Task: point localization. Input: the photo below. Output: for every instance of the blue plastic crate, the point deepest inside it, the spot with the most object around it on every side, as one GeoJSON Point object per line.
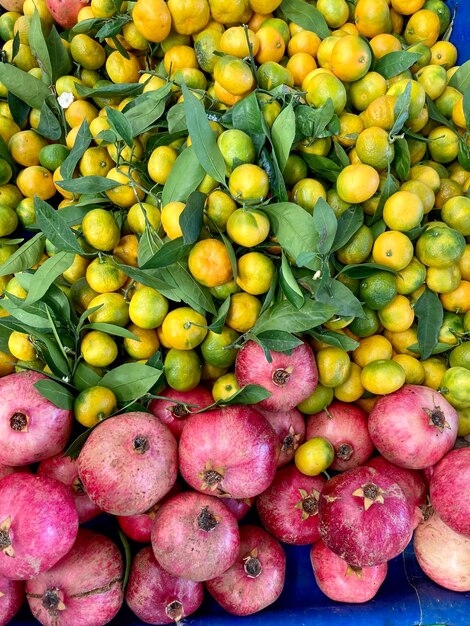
{"type": "Point", "coordinates": [407, 597]}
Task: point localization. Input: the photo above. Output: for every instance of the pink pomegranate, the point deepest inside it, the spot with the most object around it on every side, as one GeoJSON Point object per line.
{"type": "Point", "coordinates": [6, 470]}
{"type": "Point", "coordinates": [342, 582]}
{"type": "Point", "coordinates": [157, 597]}
{"type": "Point", "coordinates": [139, 527]}
{"type": "Point", "coordinates": [128, 463]}
{"type": "Point", "coordinates": [38, 524]}
{"type": "Point", "coordinates": [230, 452]}
{"type": "Point", "coordinates": [345, 427]}
{"type": "Point", "coordinates": [289, 378]}
{"type": "Point", "coordinates": [238, 507]}
{"type": "Point", "coordinates": [65, 469]}
{"type": "Point", "coordinates": [174, 413]}
{"type": "Point", "coordinates": [65, 12]}
{"type": "Point", "coordinates": [364, 517]}
{"type": "Point", "coordinates": [410, 481]}
{"type": "Point", "coordinates": [11, 598]}
{"type": "Point", "coordinates": [450, 490]}
{"type": "Point", "coordinates": [256, 579]}
{"type": "Point", "coordinates": [413, 427]}
{"type": "Point", "coordinates": [288, 509]}
{"type": "Point", "coordinates": [84, 588]}
{"type": "Point", "coordinates": [289, 426]}
{"type": "Point", "coordinates": [195, 536]}
{"type": "Point", "coordinates": [31, 427]}
{"type": "Point", "coordinates": [442, 554]}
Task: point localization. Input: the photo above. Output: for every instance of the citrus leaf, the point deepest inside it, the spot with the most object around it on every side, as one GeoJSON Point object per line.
{"type": "Point", "coordinates": [130, 381]}
{"type": "Point", "coordinates": [166, 287]}
{"type": "Point", "coordinates": [74, 448]}
{"type": "Point", "coordinates": [120, 124]}
{"type": "Point", "coordinates": [305, 15]}
{"type": "Point", "coordinates": [401, 110]}
{"type": "Point", "coordinates": [25, 257]}
{"type": "Point", "coordinates": [363, 270]}
{"type": "Point", "coordinates": [55, 393]}
{"type": "Point", "coordinates": [395, 63]}
{"type": "Point", "coordinates": [284, 316]}
{"type": "Point", "coordinates": [88, 184]}
{"type": "Point", "coordinates": [81, 143]}
{"type": "Point", "coordinates": [185, 175]}
{"type": "Point", "coordinates": [127, 557]}
{"type": "Point", "coordinates": [282, 134]}
{"type": "Point", "coordinates": [19, 109]}
{"type": "Point", "coordinates": [461, 79]}
{"type": "Point", "coordinates": [219, 320]}
{"type": "Point", "coordinates": [349, 223]}
{"type": "Point", "coordinates": [389, 188]}
{"type": "Point", "coordinates": [146, 109]}
{"type": "Point", "coordinates": [322, 166]}
{"type": "Point", "coordinates": [340, 298]}
{"type": "Point", "coordinates": [85, 377]}
{"type": "Point", "coordinates": [169, 253]}
{"type": "Point", "coordinates": [430, 313]}
{"type": "Point", "coordinates": [435, 114]}
{"type": "Point", "coordinates": [202, 137]}
{"type": "Point", "coordinates": [176, 119]}
{"type": "Point", "coordinates": [246, 115]}
{"type": "Point", "coordinates": [249, 394]}
{"type": "Point", "coordinates": [112, 329]}
{"type": "Point", "coordinates": [289, 285]}
{"type": "Point", "coordinates": [191, 218]}
{"type": "Point", "coordinates": [335, 339]}
{"type": "Point", "coordinates": [118, 89]}
{"type": "Point", "coordinates": [277, 184]}
{"type": "Point", "coordinates": [279, 340]}
{"type": "Point", "coordinates": [38, 46]}
{"type": "Point", "coordinates": [189, 290]}
{"type": "Point", "coordinates": [31, 318]}
{"type": "Point", "coordinates": [55, 228]}
{"type": "Point", "coordinates": [325, 224]}
{"type": "Point", "coordinates": [25, 86]}
{"type": "Point", "coordinates": [47, 273]}
{"type": "Point", "coordinates": [60, 59]}
{"type": "Point", "coordinates": [402, 159]}
{"type": "Point", "coordinates": [49, 126]}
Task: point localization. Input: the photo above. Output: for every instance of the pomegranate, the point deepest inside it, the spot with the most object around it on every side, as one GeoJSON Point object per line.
{"type": "Point", "coordinates": [442, 554]}
{"type": "Point", "coordinates": [139, 527]}
{"type": "Point", "coordinates": [157, 597]}
{"type": "Point", "coordinates": [410, 481]}
{"type": "Point", "coordinates": [413, 427]}
{"type": "Point", "coordinates": [128, 463]}
{"type": "Point", "coordinates": [65, 469]}
{"type": "Point", "coordinates": [450, 490]}
{"type": "Point", "coordinates": [345, 427]}
{"type": "Point", "coordinates": [82, 589]}
{"type": "Point", "coordinates": [288, 509]}
{"type": "Point", "coordinates": [174, 413]}
{"type": "Point", "coordinates": [256, 579]}
{"type": "Point", "coordinates": [289, 378]}
{"type": "Point", "coordinates": [6, 470]}
{"type": "Point", "coordinates": [230, 452]}
{"type": "Point", "coordinates": [364, 517]}
{"type": "Point", "coordinates": [38, 524]}
{"type": "Point", "coordinates": [65, 12]}
{"type": "Point", "coordinates": [11, 598]}
{"type": "Point", "coordinates": [289, 426]}
{"type": "Point", "coordinates": [195, 536]}
{"type": "Point", "coordinates": [31, 427]}
{"type": "Point", "coordinates": [238, 507]}
{"type": "Point", "coordinates": [343, 582]}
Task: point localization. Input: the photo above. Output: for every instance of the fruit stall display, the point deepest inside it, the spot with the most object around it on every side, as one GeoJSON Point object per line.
{"type": "Point", "coordinates": [235, 310]}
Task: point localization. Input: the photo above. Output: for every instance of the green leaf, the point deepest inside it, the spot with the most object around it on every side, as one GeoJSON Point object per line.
{"type": "Point", "coordinates": [55, 228]}
{"type": "Point", "coordinates": [32, 317]}
{"type": "Point", "coordinates": [130, 381]}
{"type": "Point", "coordinates": [19, 109]}
{"type": "Point", "coordinates": [189, 290]}
{"type": "Point", "coordinates": [402, 160]}
{"type": "Point", "coordinates": [466, 107]}
{"type": "Point", "coordinates": [435, 114]}
{"type": "Point", "coordinates": [322, 166]}
{"type": "Point", "coordinates": [112, 329]}
{"type": "Point", "coordinates": [49, 126]}
{"type": "Point", "coordinates": [146, 109]}
{"type": "Point", "coordinates": [401, 110]}
{"type": "Point", "coordinates": [335, 339]}
{"type": "Point", "coordinates": [166, 287]}
{"type": "Point", "coordinates": [5, 153]}
{"type": "Point", "coordinates": [341, 298]}
{"type": "Point", "coordinates": [25, 86]}
{"type": "Point", "coordinates": [293, 227]}
{"type": "Point", "coordinates": [305, 15]}
{"type": "Point", "coordinates": [349, 223]}
{"type": "Point", "coordinates": [88, 184]}
{"type": "Point", "coordinates": [47, 273]}
{"type": "Point", "coordinates": [284, 316]}
{"type": "Point", "coordinates": [279, 340]}
{"type": "Point", "coordinates": [312, 122]}
{"type": "Point", "coordinates": [120, 124]}
{"type": "Point", "coordinates": [464, 154]}
{"type": "Point", "coordinates": [59, 395]}
{"type": "Point", "coordinates": [169, 253]}
{"type": "Point", "coordinates": [190, 219]}
{"type": "Point", "coordinates": [395, 63]}
{"type": "Point", "coordinates": [282, 134]}
{"type": "Point", "coordinates": [389, 188]}
{"type": "Point", "coordinates": [185, 175]}
{"type": "Point", "coordinates": [461, 79]}
{"type": "Point", "coordinates": [341, 153]}
{"type": "Point", "coordinates": [75, 447]}
{"type": "Point", "coordinates": [113, 26]}
{"type": "Point", "coordinates": [289, 285]}
{"type": "Point", "coordinates": [60, 59]}
{"type": "Point", "coordinates": [277, 184]}
{"type": "Point", "coordinates": [249, 394]}
{"type": "Point", "coordinates": [246, 115]}
{"type": "Point", "coordinates": [38, 46]}
{"type": "Point", "coordinates": [363, 270]}
{"type": "Point", "coordinates": [81, 143]}
{"type": "Point", "coordinates": [119, 89]}
{"type": "Point", "coordinates": [25, 257]}
{"type": "Point", "coordinates": [202, 137]}
{"type": "Point", "coordinates": [325, 224]}
{"type": "Point", "coordinates": [430, 313]}
{"type": "Point", "coordinates": [176, 118]}
{"type": "Point", "coordinates": [219, 320]}
{"type": "Point", "coordinates": [85, 377]}
{"type": "Point", "coordinates": [127, 557]}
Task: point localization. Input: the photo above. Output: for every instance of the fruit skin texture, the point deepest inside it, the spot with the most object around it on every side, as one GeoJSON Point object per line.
{"type": "Point", "coordinates": [242, 594]}
{"type": "Point", "coordinates": [288, 509]}
{"type": "Point", "coordinates": [345, 426]}
{"type": "Point", "coordinates": [128, 463]}
{"type": "Point", "coordinates": [450, 490]}
{"type": "Point", "coordinates": [195, 536]}
{"type": "Point", "coordinates": [211, 462]}
{"type": "Point", "coordinates": [46, 428]}
{"type": "Point", "coordinates": [443, 554]}
{"type": "Point", "coordinates": [410, 481]}
{"type": "Point", "coordinates": [290, 429]}
{"type": "Point", "coordinates": [289, 378]}
{"type": "Point", "coordinates": [11, 599]}
{"type": "Point", "coordinates": [65, 469]}
{"type": "Point", "coordinates": [339, 581]}
{"type": "Point", "coordinates": [32, 508]}
{"type": "Point", "coordinates": [152, 19]}
{"type": "Point", "coordinates": [88, 581]}
{"type": "Point", "coordinates": [174, 414]}
{"type": "Point", "coordinates": [65, 12]}
{"type": "Point", "coordinates": [364, 536]}
{"type": "Point", "coordinates": [403, 427]}
{"type": "Point", "coordinates": [151, 591]}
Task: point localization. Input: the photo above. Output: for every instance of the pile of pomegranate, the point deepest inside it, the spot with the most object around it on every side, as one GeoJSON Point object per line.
{"type": "Point", "coordinates": [179, 481]}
